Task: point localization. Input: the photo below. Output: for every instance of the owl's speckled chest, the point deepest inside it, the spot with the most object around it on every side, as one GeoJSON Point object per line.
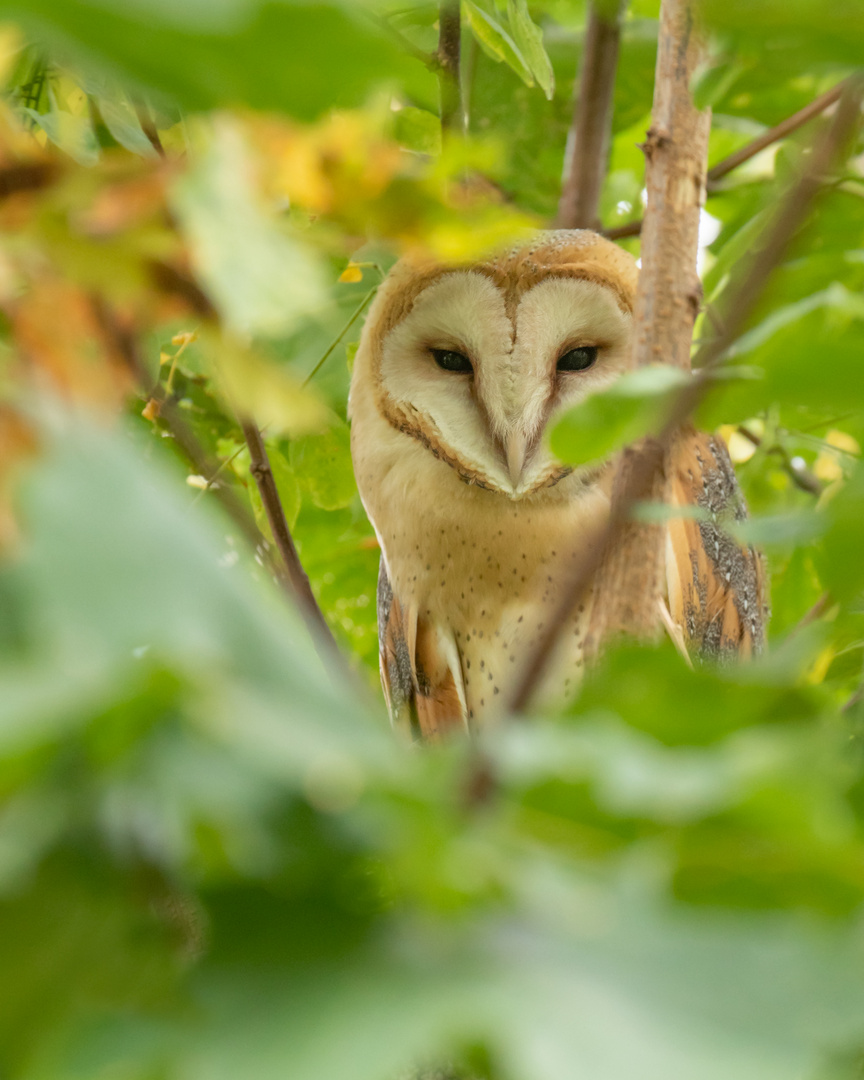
{"type": "Point", "coordinates": [486, 571]}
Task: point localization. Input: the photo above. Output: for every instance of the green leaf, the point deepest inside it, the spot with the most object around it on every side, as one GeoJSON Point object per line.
{"type": "Point", "coordinates": [72, 134]}
{"type": "Point", "coordinates": [529, 39]}
{"type": "Point", "coordinates": [418, 130]}
{"type": "Point", "coordinates": [494, 39]}
{"type": "Point", "coordinates": [123, 123]}
{"type": "Point", "coordinates": [286, 483]}
{"type": "Point", "coordinates": [783, 347]}
{"type": "Point", "coordinates": [78, 939]}
{"type": "Point", "coordinates": [324, 463]}
{"type": "Point", "coordinates": [836, 297]}
{"type": "Point", "coordinates": [714, 82]}
{"type": "Point", "coordinates": [840, 562]}
{"type": "Point", "coordinates": [632, 406]}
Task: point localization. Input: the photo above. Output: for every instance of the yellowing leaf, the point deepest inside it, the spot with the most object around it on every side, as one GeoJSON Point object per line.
{"type": "Point", "coordinates": [151, 410]}
{"type": "Point", "coordinates": [829, 465]}
{"type": "Point", "coordinates": [254, 386]}
{"type": "Point", "coordinates": [351, 274]}
{"type": "Point", "coordinates": [843, 441]}
{"type": "Point", "coordinates": [740, 448]}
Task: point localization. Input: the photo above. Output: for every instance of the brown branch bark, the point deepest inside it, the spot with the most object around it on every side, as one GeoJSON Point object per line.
{"type": "Point", "coordinates": [632, 228]}
{"type": "Point", "coordinates": [296, 575]}
{"type": "Point", "coordinates": [588, 141]}
{"type": "Point", "coordinates": [768, 138]}
{"type": "Point", "coordinates": [449, 45]}
{"type": "Point", "coordinates": [737, 309]}
{"type": "Point", "coordinates": [629, 580]}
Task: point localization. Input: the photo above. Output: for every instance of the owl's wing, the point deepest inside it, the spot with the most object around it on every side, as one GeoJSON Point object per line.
{"type": "Point", "coordinates": [716, 586]}
{"type": "Point", "coordinates": [421, 671]}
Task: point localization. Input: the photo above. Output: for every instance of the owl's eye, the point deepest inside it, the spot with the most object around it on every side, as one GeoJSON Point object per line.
{"type": "Point", "coordinates": [578, 359]}
{"type": "Point", "coordinates": [452, 361]}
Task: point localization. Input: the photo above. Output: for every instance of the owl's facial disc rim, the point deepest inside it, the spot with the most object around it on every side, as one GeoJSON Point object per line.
{"type": "Point", "coordinates": [512, 453]}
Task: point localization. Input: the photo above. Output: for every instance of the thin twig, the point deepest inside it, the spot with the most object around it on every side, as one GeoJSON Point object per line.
{"type": "Point", "coordinates": [220, 469]}
{"type": "Point", "coordinates": [123, 343]}
{"type": "Point", "coordinates": [449, 44]}
{"type": "Point", "coordinates": [632, 228]}
{"type": "Point", "coordinates": [767, 138]}
{"type": "Point", "coordinates": [204, 465]}
{"type": "Point", "coordinates": [737, 308]}
{"type": "Point", "coordinates": [354, 317]}
{"type": "Point", "coordinates": [775, 134]}
{"type": "Point", "coordinates": [259, 465]}
{"type": "Point", "coordinates": [800, 476]}
{"type": "Point", "coordinates": [588, 140]}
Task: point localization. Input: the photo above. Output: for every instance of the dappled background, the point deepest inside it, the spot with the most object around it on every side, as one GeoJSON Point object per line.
{"type": "Point", "coordinates": [215, 858]}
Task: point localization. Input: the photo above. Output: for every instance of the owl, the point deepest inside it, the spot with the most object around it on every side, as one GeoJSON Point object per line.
{"type": "Point", "coordinates": [459, 373]}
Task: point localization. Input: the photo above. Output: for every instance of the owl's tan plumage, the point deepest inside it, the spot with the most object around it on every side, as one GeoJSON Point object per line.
{"type": "Point", "coordinates": [477, 520]}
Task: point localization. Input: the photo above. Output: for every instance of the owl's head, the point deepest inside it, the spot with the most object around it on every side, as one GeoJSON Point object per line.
{"type": "Point", "coordinates": [474, 361]}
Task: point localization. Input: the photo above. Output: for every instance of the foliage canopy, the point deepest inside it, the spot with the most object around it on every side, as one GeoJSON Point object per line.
{"type": "Point", "coordinates": [215, 860]}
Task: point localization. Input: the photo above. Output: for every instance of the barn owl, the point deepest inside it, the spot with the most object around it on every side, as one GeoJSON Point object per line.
{"type": "Point", "coordinates": [459, 372]}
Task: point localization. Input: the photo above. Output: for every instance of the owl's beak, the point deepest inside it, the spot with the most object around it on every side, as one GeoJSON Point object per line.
{"type": "Point", "coordinates": [516, 449]}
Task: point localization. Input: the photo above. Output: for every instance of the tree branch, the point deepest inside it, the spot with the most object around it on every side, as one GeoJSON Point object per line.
{"type": "Point", "coordinates": [737, 308]}
{"type": "Point", "coordinates": [632, 228]}
{"type": "Point", "coordinates": [449, 44]}
{"type": "Point", "coordinates": [588, 140]}
{"type": "Point", "coordinates": [775, 134]}
{"type": "Point", "coordinates": [287, 571]}
{"type": "Point", "coordinates": [767, 138]}
{"type": "Point", "coordinates": [296, 575]}
{"type": "Point", "coordinates": [629, 580]}
{"type": "Point", "coordinates": [124, 345]}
